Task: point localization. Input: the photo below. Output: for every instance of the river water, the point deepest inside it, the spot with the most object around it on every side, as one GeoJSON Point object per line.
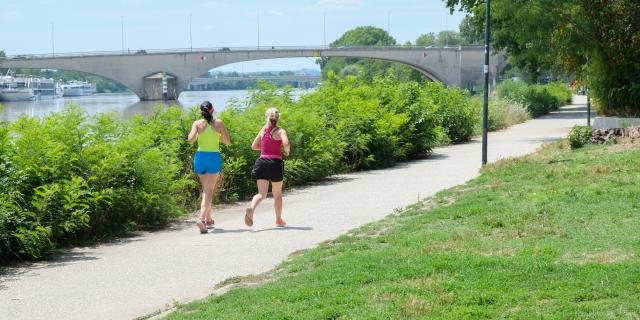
{"type": "Point", "coordinates": [125, 104]}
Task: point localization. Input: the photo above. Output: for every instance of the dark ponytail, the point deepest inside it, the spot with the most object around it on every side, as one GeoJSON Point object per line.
{"type": "Point", "coordinates": [206, 108]}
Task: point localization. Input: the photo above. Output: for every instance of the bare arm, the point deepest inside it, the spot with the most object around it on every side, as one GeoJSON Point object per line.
{"type": "Point", "coordinates": [194, 133]}
{"type": "Point", "coordinates": [285, 141]}
{"type": "Point", "coordinates": [256, 142]}
{"type": "Point", "coordinates": [224, 135]}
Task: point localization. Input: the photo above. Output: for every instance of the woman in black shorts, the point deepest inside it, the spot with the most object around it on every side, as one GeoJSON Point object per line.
{"type": "Point", "coordinates": [269, 167]}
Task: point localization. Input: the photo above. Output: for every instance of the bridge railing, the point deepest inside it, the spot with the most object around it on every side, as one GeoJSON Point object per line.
{"type": "Point", "coordinates": [215, 49]}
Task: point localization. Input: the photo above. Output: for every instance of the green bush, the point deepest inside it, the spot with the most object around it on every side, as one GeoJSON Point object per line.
{"type": "Point", "coordinates": [579, 136]}
{"type": "Point", "coordinates": [512, 90]}
{"type": "Point", "coordinates": [457, 114]}
{"type": "Point", "coordinates": [69, 178]}
{"type": "Point", "coordinates": [538, 99]}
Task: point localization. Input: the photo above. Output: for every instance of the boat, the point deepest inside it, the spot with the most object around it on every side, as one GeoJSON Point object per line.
{"type": "Point", "coordinates": [46, 88]}
{"type": "Point", "coordinates": [16, 88]}
{"type": "Point", "coordinates": [78, 88]}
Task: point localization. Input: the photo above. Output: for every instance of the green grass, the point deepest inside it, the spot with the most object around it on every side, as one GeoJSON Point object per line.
{"type": "Point", "coordinates": [555, 235]}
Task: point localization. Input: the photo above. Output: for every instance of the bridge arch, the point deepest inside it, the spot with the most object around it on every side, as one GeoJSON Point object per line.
{"type": "Point", "coordinates": [452, 66]}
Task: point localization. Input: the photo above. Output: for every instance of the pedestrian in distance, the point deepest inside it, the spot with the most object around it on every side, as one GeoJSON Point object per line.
{"type": "Point", "coordinates": [269, 168]}
{"type": "Point", "coordinates": [207, 161]}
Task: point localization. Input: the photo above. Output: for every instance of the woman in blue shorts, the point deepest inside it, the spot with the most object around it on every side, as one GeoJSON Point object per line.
{"type": "Point", "coordinates": [207, 162]}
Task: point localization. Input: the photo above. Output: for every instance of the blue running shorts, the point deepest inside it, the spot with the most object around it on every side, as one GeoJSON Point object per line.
{"type": "Point", "coordinates": [207, 162]}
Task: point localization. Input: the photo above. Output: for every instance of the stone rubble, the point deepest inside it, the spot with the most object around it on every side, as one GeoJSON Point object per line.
{"type": "Point", "coordinates": [604, 135]}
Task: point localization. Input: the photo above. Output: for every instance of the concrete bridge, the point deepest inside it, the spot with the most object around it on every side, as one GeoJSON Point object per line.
{"type": "Point", "coordinates": [146, 71]}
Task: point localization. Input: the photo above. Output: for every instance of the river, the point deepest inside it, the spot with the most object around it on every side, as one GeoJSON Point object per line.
{"type": "Point", "coordinates": [125, 104]}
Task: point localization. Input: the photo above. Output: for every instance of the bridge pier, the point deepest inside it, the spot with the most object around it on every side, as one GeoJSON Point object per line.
{"type": "Point", "coordinates": [160, 86]}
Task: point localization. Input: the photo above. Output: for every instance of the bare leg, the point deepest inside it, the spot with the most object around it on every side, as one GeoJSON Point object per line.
{"type": "Point", "coordinates": [212, 180]}
{"type": "Point", "coordinates": [276, 189]}
{"type": "Point", "coordinates": [263, 188]}
{"type": "Point", "coordinates": [208, 185]}
{"type": "Point", "coordinates": [204, 184]}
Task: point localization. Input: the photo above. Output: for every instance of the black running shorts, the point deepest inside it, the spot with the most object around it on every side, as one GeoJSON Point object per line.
{"type": "Point", "coordinates": [268, 169]}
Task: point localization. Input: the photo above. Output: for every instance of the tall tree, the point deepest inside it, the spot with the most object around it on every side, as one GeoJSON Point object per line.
{"type": "Point", "coordinates": [470, 34]}
{"type": "Point", "coordinates": [367, 68]}
{"type": "Point", "coordinates": [598, 41]}
{"type": "Point", "coordinates": [448, 38]}
{"type": "Point", "coordinates": [427, 39]}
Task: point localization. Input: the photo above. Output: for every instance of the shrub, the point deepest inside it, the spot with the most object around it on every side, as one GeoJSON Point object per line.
{"type": "Point", "coordinates": [538, 99]}
{"type": "Point", "coordinates": [579, 136]}
{"type": "Point", "coordinates": [457, 114]}
{"type": "Point", "coordinates": [69, 178]}
{"type": "Point", "coordinates": [512, 90]}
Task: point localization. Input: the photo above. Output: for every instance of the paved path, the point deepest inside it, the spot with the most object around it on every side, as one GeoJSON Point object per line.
{"type": "Point", "coordinates": [137, 276]}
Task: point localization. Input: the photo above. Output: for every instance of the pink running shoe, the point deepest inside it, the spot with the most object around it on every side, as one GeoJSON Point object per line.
{"type": "Point", "coordinates": [202, 225]}
{"type": "Point", "coordinates": [281, 223]}
{"type": "Point", "coordinates": [210, 224]}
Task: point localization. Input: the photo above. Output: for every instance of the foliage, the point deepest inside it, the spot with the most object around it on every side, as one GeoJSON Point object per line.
{"type": "Point", "coordinates": [448, 38]}
{"type": "Point", "coordinates": [504, 113]}
{"type": "Point", "coordinates": [469, 34]}
{"type": "Point", "coordinates": [596, 41]}
{"type": "Point", "coordinates": [548, 236]}
{"type": "Point", "coordinates": [579, 136]}
{"type": "Point", "coordinates": [68, 178]}
{"type": "Point", "coordinates": [366, 68]}
{"type": "Point", "coordinates": [427, 39]}
{"type": "Point", "coordinates": [538, 99]}
{"type": "Point", "coordinates": [457, 113]}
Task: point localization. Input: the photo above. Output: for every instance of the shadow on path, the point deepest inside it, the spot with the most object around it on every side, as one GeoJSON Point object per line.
{"type": "Point", "coordinates": [284, 229]}
{"type": "Point", "coordinates": [221, 230]}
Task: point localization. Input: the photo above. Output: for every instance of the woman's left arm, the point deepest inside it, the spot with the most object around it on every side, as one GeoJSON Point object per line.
{"type": "Point", "coordinates": [224, 135]}
{"type": "Point", "coordinates": [285, 142]}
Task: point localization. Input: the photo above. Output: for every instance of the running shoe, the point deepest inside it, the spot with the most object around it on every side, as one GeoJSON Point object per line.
{"type": "Point", "coordinates": [281, 223]}
{"type": "Point", "coordinates": [202, 226]}
{"type": "Point", "coordinates": [248, 217]}
{"type": "Point", "coordinates": [210, 224]}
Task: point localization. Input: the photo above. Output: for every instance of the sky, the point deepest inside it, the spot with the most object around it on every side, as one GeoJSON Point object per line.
{"type": "Point", "coordinates": [90, 25]}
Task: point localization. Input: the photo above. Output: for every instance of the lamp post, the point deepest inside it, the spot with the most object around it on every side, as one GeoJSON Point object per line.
{"type": "Point", "coordinates": [485, 106]}
{"type": "Point", "coordinates": [122, 32]}
{"type": "Point", "coordinates": [588, 108]}
{"type": "Point", "coordinates": [324, 28]}
{"type": "Point", "coordinates": [190, 36]}
{"type": "Point", "coordinates": [389, 28]}
{"type": "Point", "coordinates": [53, 47]}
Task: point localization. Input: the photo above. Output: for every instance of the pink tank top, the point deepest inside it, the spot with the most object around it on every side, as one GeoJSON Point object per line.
{"type": "Point", "coordinates": [269, 147]}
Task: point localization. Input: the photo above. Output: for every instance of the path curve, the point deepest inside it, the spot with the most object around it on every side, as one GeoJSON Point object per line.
{"type": "Point", "coordinates": [136, 276]}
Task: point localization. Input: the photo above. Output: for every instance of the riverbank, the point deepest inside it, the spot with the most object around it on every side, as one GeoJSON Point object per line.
{"type": "Point", "coordinates": [550, 235]}
{"type": "Point", "coordinates": [178, 264]}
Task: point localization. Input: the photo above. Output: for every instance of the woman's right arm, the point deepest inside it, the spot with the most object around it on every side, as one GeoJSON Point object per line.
{"type": "Point", "coordinates": [257, 141]}
{"type": "Point", "coordinates": [194, 132]}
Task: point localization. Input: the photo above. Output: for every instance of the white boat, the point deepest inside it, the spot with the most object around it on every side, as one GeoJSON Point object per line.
{"type": "Point", "coordinates": [78, 88]}
{"type": "Point", "coordinates": [16, 89]}
{"type": "Point", "coordinates": [46, 88]}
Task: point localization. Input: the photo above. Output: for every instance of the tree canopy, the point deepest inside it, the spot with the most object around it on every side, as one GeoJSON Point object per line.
{"type": "Point", "coordinates": [365, 68]}
{"type": "Point", "coordinates": [597, 41]}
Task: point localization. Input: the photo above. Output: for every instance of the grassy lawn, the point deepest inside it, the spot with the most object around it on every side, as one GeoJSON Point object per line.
{"type": "Point", "coordinates": [555, 235]}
